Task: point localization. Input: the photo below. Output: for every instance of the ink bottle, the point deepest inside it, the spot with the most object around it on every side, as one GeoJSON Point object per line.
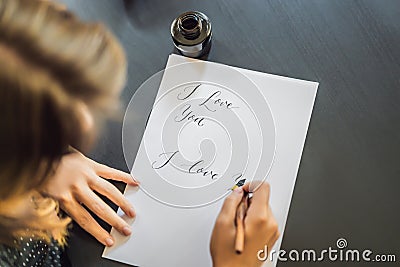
{"type": "Point", "coordinates": [191, 34]}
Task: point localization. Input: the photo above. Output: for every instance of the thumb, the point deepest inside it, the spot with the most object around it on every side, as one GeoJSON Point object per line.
{"type": "Point", "coordinates": [228, 210]}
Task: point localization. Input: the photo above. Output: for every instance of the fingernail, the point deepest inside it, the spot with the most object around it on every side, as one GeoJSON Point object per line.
{"type": "Point", "coordinates": [109, 242]}
{"type": "Point", "coordinates": [131, 212]}
{"type": "Point", "coordinates": [134, 180]}
{"type": "Point", "coordinates": [238, 190]}
{"type": "Point", "coordinates": [126, 230]}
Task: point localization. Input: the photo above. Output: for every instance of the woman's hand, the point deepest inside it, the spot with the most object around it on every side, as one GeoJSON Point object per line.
{"type": "Point", "coordinates": [74, 183]}
{"type": "Point", "coordinates": [260, 228]}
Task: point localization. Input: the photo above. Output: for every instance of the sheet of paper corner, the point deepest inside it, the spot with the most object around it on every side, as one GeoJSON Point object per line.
{"type": "Point", "coordinates": [291, 102]}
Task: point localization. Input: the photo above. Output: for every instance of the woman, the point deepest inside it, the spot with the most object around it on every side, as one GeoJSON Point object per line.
{"type": "Point", "coordinates": [57, 76]}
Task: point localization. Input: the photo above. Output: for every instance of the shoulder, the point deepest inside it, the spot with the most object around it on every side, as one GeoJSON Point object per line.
{"type": "Point", "coordinates": [8, 256]}
{"type": "Point", "coordinates": [30, 252]}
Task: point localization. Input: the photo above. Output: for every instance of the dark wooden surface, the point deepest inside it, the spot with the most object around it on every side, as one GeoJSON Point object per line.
{"type": "Point", "coordinates": [349, 179]}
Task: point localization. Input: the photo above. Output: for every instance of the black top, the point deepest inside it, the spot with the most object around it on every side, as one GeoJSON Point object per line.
{"type": "Point", "coordinates": [32, 252]}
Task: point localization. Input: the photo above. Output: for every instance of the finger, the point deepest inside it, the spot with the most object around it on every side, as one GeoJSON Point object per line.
{"type": "Point", "coordinates": [228, 210]}
{"type": "Point", "coordinates": [105, 212]}
{"type": "Point", "coordinates": [260, 199]}
{"type": "Point", "coordinates": [114, 174]}
{"type": "Point", "coordinates": [82, 217]}
{"type": "Point", "coordinates": [112, 193]}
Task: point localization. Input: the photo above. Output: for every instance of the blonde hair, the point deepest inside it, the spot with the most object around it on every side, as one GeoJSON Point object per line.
{"type": "Point", "coordinates": [50, 64]}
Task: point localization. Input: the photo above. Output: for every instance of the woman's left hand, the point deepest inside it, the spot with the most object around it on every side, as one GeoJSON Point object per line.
{"type": "Point", "coordinates": [74, 183]}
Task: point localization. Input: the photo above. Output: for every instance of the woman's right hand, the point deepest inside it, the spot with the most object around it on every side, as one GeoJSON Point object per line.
{"type": "Point", "coordinates": [261, 229]}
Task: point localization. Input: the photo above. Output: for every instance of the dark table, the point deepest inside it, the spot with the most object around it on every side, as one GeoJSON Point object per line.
{"type": "Point", "coordinates": [349, 178]}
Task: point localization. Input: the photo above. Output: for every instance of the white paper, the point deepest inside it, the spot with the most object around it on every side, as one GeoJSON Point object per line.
{"type": "Point", "coordinates": [175, 216]}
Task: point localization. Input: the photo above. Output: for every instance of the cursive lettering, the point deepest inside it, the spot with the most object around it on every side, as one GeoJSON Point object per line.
{"type": "Point", "coordinates": [188, 114]}
{"type": "Point", "coordinates": [182, 96]}
{"type": "Point", "coordinates": [165, 162]}
{"type": "Point", "coordinates": [195, 168]}
{"type": "Point", "coordinates": [219, 102]}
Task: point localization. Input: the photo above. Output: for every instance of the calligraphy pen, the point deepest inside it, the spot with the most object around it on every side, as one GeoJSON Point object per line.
{"type": "Point", "coordinates": [239, 220]}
